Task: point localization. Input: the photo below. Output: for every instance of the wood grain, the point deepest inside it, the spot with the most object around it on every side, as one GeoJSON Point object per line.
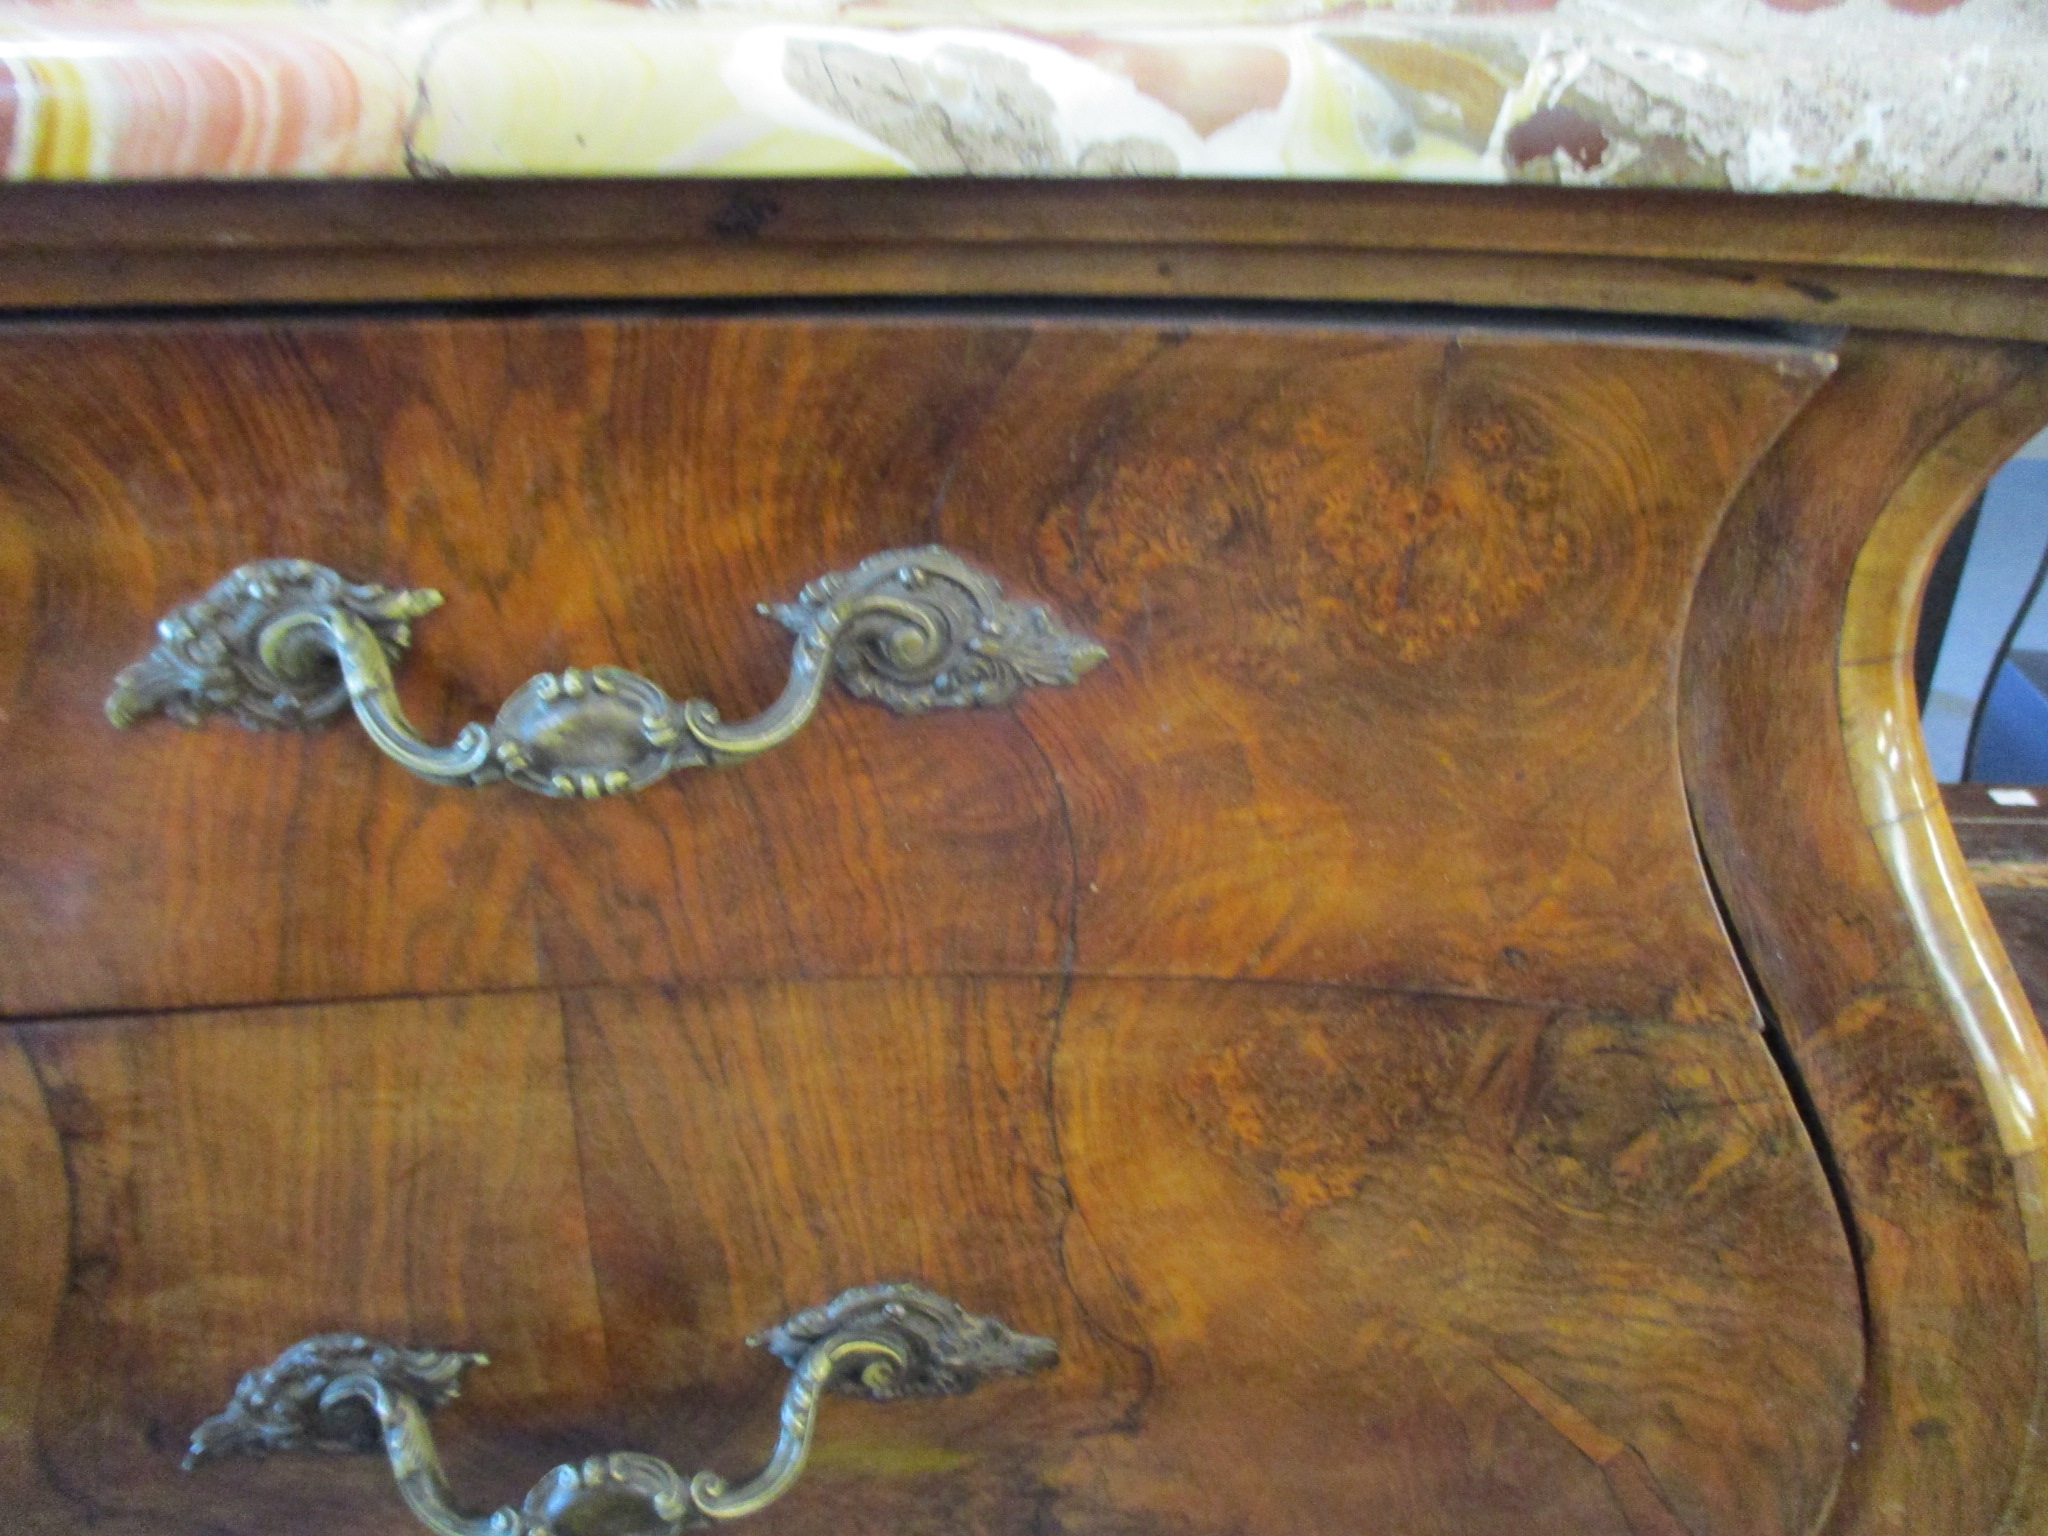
{"type": "Point", "coordinates": [1394, 616]}
{"type": "Point", "coordinates": [1818, 260]}
{"type": "Point", "coordinates": [1468, 1203]}
{"type": "Point", "coordinates": [1778, 742]}
{"type": "Point", "coordinates": [244, 1180]}
{"type": "Point", "coordinates": [614, 213]}
{"type": "Point", "coordinates": [1314, 1255]}
{"type": "Point", "coordinates": [2006, 849]}
{"type": "Point", "coordinates": [35, 1213]}
{"type": "Point", "coordinates": [1902, 810]}
{"type": "Point", "coordinates": [1895, 783]}
{"type": "Point", "coordinates": [1319, 1020]}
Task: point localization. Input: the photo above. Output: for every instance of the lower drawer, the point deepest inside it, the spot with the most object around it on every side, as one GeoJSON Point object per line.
{"type": "Point", "coordinates": [1315, 1258]}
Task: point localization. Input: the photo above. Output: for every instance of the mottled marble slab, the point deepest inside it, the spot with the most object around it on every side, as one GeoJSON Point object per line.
{"type": "Point", "coordinates": [1944, 99]}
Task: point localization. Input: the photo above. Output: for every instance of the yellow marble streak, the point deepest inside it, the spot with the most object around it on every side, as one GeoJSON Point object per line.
{"type": "Point", "coordinates": [560, 90]}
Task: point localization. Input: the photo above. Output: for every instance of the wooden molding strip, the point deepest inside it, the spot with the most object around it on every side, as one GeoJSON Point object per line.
{"type": "Point", "coordinates": [1811, 260]}
{"type": "Point", "coordinates": [1811, 230]}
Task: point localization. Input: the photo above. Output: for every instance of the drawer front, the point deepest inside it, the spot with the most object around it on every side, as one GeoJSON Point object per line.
{"type": "Point", "coordinates": [1316, 1259]}
{"type": "Point", "coordinates": [1391, 618]}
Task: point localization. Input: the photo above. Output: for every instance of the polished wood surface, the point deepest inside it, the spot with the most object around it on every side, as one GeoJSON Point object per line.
{"type": "Point", "coordinates": [1320, 1020]}
{"type": "Point", "coordinates": [1393, 616]}
{"type": "Point", "coordinates": [2006, 849]}
{"type": "Point", "coordinates": [1823, 260]}
{"type": "Point", "coordinates": [1873, 962]}
{"type": "Point", "coordinates": [467, 214]}
{"type": "Point", "coordinates": [1317, 1257]}
{"type": "Point", "coordinates": [1894, 782]}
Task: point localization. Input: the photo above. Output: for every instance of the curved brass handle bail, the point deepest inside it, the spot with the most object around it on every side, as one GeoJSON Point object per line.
{"type": "Point", "coordinates": [289, 643]}
{"type": "Point", "coordinates": [827, 1361]}
{"type": "Point", "coordinates": [342, 1392]}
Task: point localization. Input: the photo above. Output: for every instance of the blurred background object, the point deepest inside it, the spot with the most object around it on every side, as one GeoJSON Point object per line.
{"type": "Point", "coordinates": [1982, 666]}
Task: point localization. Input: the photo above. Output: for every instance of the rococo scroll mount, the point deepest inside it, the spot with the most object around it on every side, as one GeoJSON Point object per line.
{"type": "Point", "coordinates": [286, 643]}
{"type": "Point", "coordinates": [343, 1392]}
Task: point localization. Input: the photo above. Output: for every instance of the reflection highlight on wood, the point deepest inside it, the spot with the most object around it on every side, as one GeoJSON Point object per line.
{"type": "Point", "coordinates": [1894, 781]}
{"type": "Point", "coordinates": [1368, 1049]}
{"type": "Point", "coordinates": [1783, 726]}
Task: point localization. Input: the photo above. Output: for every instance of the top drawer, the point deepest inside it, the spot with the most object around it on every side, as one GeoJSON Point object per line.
{"type": "Point", "coordinates": [1391, 614]}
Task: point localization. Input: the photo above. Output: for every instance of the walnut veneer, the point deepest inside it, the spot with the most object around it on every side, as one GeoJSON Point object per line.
{"type": "Point", "coordinates": [1469, 1020]}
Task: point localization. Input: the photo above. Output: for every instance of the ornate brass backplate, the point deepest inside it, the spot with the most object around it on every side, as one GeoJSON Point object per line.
{"type": "Point", "coordinates": [286, 643]}
{"type": "Point", "coordinates": [342, 1392]}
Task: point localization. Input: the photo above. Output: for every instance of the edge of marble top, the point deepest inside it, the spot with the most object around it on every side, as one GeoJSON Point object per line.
{"type": "Point", "coordinates": [1931, 100]}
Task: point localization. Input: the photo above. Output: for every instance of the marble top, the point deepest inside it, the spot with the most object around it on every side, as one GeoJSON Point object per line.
{"type": "Point", "coordinates": [1941, 99]}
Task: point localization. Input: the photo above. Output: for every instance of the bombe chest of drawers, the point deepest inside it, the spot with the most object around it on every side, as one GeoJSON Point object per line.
{"type": "Point", "coordinates": [1131, 860]}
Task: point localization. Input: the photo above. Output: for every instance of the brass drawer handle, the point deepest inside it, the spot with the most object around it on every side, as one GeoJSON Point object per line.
{"type": "Point", "coordinates": [339, 1392]}
{"type": "Point", "coordinates": [284, 643]}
